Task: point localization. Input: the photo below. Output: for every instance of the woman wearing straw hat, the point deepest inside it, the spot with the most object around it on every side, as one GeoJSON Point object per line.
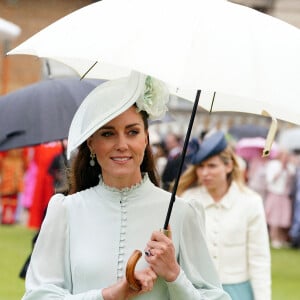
{"type": "Point", "coordinates": [114, 206]}
{"type": "Point", "coordinates": [237, 233]}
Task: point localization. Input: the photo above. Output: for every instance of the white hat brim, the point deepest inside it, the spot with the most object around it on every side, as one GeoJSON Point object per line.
{"type": "Point", "coordinates": [103, 104]}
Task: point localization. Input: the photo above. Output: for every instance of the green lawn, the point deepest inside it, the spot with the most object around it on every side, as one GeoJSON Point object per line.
{"type": "Point", "coordinates": [15, 245]}
{"type": "Point", "coordinates": [285, 274]}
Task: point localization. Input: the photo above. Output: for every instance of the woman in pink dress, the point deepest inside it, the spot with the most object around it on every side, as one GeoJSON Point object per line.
{"type": "Point", "coordinates": [278, 205]}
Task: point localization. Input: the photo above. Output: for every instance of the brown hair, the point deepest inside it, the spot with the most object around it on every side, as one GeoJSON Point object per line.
{"type": "Point", "coordinates": [189, 177]}
{"type": "Point", "coordinates": [83, 176]}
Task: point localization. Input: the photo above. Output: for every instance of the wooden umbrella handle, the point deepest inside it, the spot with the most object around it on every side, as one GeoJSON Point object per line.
{"type": "Point", "coordinates": [130, 267]}
{"type": "Point", "coordinates": [131, 263]}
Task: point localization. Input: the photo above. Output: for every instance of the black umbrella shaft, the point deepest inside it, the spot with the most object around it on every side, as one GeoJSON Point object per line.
{"type": "Point", "coordinates": [185, 146]}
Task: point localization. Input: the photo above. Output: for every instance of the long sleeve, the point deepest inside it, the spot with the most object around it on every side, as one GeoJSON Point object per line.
{"type": "Point", "coordinates": [198, 278]}
{"type": "Point", "coordinates": [259, 253]}
{"type": "Point", "coordinates": [49, 274]}
{"type": "Point", "coordinates": [87, 238]}
{"type": "Point", "coordinates": [238, 238]}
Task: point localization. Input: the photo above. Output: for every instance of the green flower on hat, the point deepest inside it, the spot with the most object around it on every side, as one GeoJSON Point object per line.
{"type": "Point", "coordinates": [154, 98]}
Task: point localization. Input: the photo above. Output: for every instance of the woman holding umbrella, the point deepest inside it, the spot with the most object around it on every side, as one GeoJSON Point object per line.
{"type": "Point", "coordinates": [115, 206]}
{"type": "Point", "coordinates": [235, 219]}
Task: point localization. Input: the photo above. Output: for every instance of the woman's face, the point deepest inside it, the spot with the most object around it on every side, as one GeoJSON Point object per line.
{"type": "Point", "coordinates": [119, 147]}
{"type": "Point", "coordinates": [212, 173]}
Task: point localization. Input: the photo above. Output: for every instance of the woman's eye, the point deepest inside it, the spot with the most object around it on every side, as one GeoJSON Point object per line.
{"type": "Point", "coordinates": [106, 133]}
{"type": "Point", "coordinates": [134, 132]}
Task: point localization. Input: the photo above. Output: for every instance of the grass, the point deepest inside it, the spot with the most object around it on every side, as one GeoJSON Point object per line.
{"type": "Point", "coordinates": [285, 274]}
{"type": "Point", "coordinates": [15, 246]}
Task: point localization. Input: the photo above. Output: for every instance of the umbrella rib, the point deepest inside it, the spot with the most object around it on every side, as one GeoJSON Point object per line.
{"type": "Point", "coordinates": [212, 102]}
{"type": "Point", "coordinates": [186, 142]}
{"type": "Point", "coordinates": [89, 69]}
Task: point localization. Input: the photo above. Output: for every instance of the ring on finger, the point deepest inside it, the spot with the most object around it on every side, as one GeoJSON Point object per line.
{"type": "Point", "coordinates": [148, 252]}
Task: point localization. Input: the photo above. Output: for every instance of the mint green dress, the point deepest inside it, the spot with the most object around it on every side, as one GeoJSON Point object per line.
{"type": "Point", "coordinates": [87, 238]}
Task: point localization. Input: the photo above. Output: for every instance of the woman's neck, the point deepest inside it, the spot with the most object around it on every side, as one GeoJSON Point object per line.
{"type": "Point", "coordinates": [218, 193]}
{"type": "Point", "coordinates": [121, 182]}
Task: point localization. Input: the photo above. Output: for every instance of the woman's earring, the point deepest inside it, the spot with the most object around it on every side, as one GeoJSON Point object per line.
{"type": "Point", "coordinates": [92, 161]}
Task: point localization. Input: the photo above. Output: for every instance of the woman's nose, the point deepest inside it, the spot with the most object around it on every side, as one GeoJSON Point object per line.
{"type": "Point", "coordinates": [204, 170]}
{"type": "Point", "coordinates": [121, 143]}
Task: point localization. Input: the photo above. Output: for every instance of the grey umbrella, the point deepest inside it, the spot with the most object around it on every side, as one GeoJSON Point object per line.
{"type": "Point", "coordinates": [41, 112]}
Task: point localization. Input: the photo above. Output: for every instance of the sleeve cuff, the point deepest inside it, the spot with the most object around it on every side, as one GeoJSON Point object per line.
{"type": "Point", "coordinates": [178, 280]}
{"type": "Point", "coordinates": [182, 288]}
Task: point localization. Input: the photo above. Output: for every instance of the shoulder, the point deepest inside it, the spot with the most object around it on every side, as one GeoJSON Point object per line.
{"type": "Point", "coordinates": [60, 201]}
{"type": "Point", "coordinates": [244, 192]}
{"type": "Point", "coordinates": [195, 191]}
{"type": "Point", "coordinates": [57, 206]}
{"type": "Point", "coordinates": [155, 191]}
{"type": "Point", "coordinates": [56, 201]}
{"type": "Point", "coordinates": [182, 205]}
{"type": "Point", "coordinates": [190, 208]}
{"type": "Point", "coordinates": [251, 194]}
{"type": "Point", "coordinates": [249, 200]}
{"type": "Point", "coordinates": [165, 197]}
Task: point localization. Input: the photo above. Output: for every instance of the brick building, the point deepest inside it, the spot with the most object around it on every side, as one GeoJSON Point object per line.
{"type": "Point", "coordinates": [31, 16]}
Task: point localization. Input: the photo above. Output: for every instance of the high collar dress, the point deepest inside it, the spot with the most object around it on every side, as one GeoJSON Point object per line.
{"type": "Point", "coordinates": [87, 238]}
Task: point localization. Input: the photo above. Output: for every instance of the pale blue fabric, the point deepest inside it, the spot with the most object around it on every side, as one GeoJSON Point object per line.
{"type": "Point", "coordinates": [87, 238]}
{"type": "Point", "coordinates": [239, 291]}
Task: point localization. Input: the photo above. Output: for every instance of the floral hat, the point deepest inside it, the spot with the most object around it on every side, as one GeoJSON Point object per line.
{"type": "Point", "coordinates": [112, 98]}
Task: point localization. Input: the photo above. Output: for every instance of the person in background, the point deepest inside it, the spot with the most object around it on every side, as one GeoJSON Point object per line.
{"type": "Point", "coordinates": [12, 169]}
{"type": "Point", "coordinates": [294, 232]}
{"type": "Point", "coordinates": [43, 188]}
{"type": "Point", "coordinates": [115, 206]}
{"type": "Point", "coordinates": [58, 169]}
{"type": "Point", "coordinates": [256, 175]}
{"type": "Point", "coordinates": [174, 148]}
{"type": "Point", "coordinates": [235, 220]}
{"type": "Point", "coordinates": [159, 152]}
{"type": "Point", "coordinates": [29, 181]}
{"type": "Point", "coordinates": [280, 174]}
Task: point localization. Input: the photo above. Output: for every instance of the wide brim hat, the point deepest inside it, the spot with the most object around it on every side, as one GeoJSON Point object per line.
{"type": "Point", "coordinates": [210, 146]}
{"type": "Point", "coordinates": [103, 104]}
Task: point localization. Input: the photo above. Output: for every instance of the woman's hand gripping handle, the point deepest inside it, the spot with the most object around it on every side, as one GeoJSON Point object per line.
{"type": "Point", "coordinates": [133, 282]}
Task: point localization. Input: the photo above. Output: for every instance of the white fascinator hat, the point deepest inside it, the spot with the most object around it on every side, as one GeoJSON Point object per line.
{"type": "Point", "coordinates": [112, 98]}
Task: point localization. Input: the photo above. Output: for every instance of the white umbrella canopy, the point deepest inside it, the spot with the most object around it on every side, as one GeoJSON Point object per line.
{"type": "Point", "coordinates": [251, 60]}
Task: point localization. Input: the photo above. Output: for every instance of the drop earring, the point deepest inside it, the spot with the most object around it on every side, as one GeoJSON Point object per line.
{"type": "Point", "coordinates": [92, 160]}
